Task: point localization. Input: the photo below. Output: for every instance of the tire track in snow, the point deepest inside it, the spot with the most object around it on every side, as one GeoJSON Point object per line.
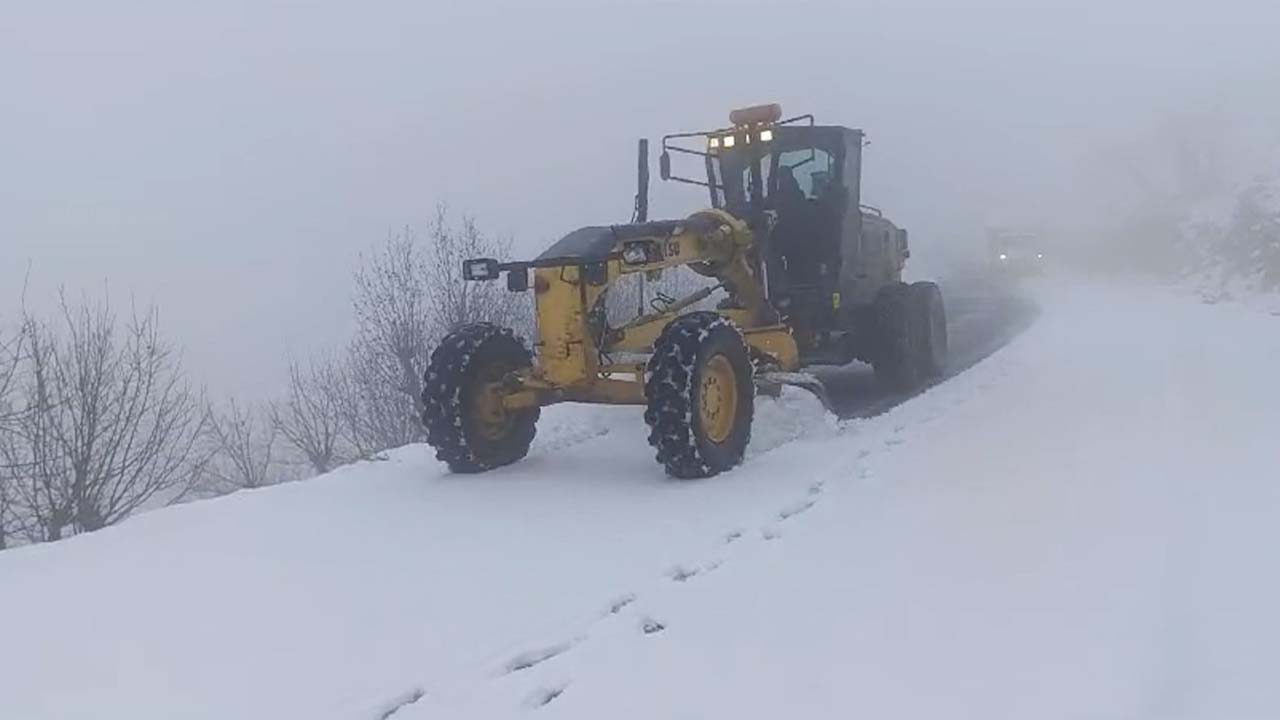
{"type": "Point", "coordinates": [568, 440]}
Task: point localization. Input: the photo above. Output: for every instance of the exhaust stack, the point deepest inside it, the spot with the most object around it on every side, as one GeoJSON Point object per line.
{"type": "Point", "coordinates": [642, 181]}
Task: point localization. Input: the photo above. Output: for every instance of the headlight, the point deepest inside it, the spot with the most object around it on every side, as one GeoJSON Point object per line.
{"type": "Point", "coordinates": [713, 143]}
{"type": "Point", "coordinates": [766, 135]}
{"type": "Point", "coordinates": [480, 269]}
{"type": "Point", "coordinates": [1003, 256]}
{"type": "Point", "coordinates": [727, 141]}
{"type": "Point", "coordinates": [1039, 256]}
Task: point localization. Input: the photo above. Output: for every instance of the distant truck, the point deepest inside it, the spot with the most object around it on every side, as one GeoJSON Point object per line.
{"type": "Point", "coordinates": [1015, 252]}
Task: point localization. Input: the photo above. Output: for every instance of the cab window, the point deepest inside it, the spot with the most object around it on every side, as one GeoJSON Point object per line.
{"type": "Point", "coordinates": [813, 170]}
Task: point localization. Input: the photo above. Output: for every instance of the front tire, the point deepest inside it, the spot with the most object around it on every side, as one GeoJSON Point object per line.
{"type": "Point", "coordinates": [700, 396]}
{"type": "Point", "coordinates": [463, 413]}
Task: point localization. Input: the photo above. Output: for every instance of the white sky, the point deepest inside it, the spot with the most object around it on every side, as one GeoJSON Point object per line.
{"type": "Point", "coordinates": [229, 160]}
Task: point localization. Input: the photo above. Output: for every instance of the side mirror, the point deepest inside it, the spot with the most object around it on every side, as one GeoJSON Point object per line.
{"type": "Point", "coordinates": [664, 165]}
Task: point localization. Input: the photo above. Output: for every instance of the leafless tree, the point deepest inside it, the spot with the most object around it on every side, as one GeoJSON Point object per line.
{"type": "Point", "coordinates": [10, 520]}
{"type": "Point", "coordinates": [310, 416]}
{"type": "Point", "coordinates": [454, 301]}
{"type": "Point", "coordinates": [9, 517]}
{"type": "Point", "coordinates": [374, 414]}
{"type": "Point", "coordinates": [10, 350]}
{"type": "Point", "coordinates": [393, 317]}
{"type": "Point", "coordinates": [105, 421]}
{"type": "Point", "coordinates": [244, 453]}
{"type": "Point", "coordinates": [408, 295]}
{"type": "Point", "coordinates": [31, 447]}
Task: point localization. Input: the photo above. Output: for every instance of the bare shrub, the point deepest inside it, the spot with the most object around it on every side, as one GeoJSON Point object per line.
{"type": "Point", "coordinates": [103, 422]}
{"type": "Point", "coordinates": [244, 452]}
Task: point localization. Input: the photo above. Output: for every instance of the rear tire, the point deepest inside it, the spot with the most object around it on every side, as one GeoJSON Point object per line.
{"type": "Point", "coordinates": [700, 395]}
{"type": "Point", "coordinates": [895, 359]}
{"type": "Point", "coordinates": [465, 420]}
{"type": "Point", "coordinates": [929, 326]}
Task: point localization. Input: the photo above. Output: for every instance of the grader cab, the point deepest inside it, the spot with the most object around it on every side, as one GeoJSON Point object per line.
{"type": "Point", "coordinates": [801, 271]}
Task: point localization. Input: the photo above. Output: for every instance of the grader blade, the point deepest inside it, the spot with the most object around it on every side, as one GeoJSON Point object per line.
{"type": "Point", "coordinates": [770, 383]}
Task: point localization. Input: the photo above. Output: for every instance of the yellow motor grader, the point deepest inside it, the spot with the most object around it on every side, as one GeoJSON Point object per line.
{"type": "Point", "coordinates": [798, 271]}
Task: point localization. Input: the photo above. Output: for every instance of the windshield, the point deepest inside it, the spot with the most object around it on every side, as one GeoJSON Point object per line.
{"type": "Point", "coordinates": [789, 168]}
{"type": "Point", "coordinates": [812, 169]}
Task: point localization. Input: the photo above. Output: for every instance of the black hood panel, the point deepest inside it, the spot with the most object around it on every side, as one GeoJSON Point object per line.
{"type": "Point", "coordinates": [594, 243]}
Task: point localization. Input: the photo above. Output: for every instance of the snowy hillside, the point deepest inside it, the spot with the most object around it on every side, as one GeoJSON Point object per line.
{"type": "Point", "coordinates": [1079, 526]}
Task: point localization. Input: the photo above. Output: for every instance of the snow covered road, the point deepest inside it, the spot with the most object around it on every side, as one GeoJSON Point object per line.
{"type": "Point", "coordinates": [1081, 525]}
{"type": "Point", "coordinates": [982, 317]}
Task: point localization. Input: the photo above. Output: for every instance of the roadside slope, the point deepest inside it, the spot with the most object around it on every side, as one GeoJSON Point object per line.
{"type": "Point", "coordinates": [332, 597]}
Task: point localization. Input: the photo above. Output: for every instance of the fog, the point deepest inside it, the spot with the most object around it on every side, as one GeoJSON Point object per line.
{"type": "Point", "coordinates": [228, 162]}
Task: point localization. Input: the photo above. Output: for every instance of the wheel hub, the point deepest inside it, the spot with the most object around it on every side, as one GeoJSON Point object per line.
{"type": "Point", "coordinates": [491, 417]}
{"type": "Point", "coordinates": [718, 399]}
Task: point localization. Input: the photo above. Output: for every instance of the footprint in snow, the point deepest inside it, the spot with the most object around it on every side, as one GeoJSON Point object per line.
{"type": "Point", "coordinates": [796, 509]}
{"type": "Point", "coordinates": [680, 573]}
{"type": "Point", "coordinates": [401, 702]}
{"type": "Point", "coordinates": [863, 454]}
{"type": "Point", "coordinates": [529, 658]}
{"type": "Point", "coordinates": [617, 605]}
{"type": "Point", "coordinates": [816, 488]}
{"type": "Point", "coordinates": [543, 696]}
{"type": "Point", "coordinates": [732, 536]}
{"type": "Point", "coordinates": [770, 534]}
{"type": "Point", "coordinates": [649, 626]}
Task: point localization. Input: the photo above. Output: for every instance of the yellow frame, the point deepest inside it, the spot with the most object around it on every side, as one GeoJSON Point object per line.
{"type": "Point", "coordinates": [568, 366]}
